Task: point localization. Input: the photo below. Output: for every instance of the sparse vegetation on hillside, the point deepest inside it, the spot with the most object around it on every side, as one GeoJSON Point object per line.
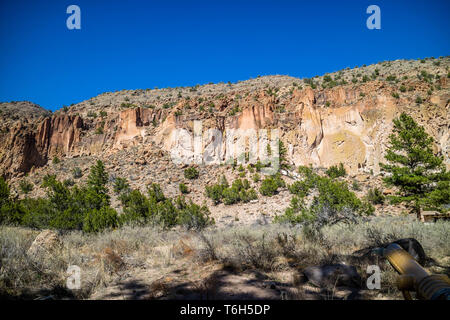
{"type": "Point", "coordinates": [157, 209]}
{"type": "Point", "coordinates": [239, 191]}
{"type": "Point", "coordinates": [183, 188]}
{"type": "Point", "coordinates": [77, 173]}
{"type": "Point", "coordinates": [336, 171]}
{"type": "Point", "coordinates": [270, 185]}
{"type": "Point", "coordinates": [191, 173]}
{"type": "Point", "coordinates": [25, 186]}
{"type": "Point", "coordinates": [375, 196]}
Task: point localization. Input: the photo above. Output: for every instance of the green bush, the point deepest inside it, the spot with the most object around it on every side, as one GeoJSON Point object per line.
{"type": "Point", "coordinates": [334, 202]}
{"type": "Point", "coordinates": [97, 191]}
{"type": "Point", "coordinates": [356, 186]}
{"type": "Point", "coordinates": [69, 182]}
{"type": "Point", "coordinates": [193, 216]}
{"type": "Point", "coordinates": [36, 213]}
{"type": "Point", "coordinates": [191, 173]}
{"type": "Point", "coordinates": [136, 207]}
{"type": "Point", "coordinates": [238, 192]}
{"type": "Point", "coordinates": [92, 114]}
{"type": "Point", "coordinates": [121, 185]}
{"type": "Point", "coordinates": [300, 188]}
{"type": "Point", "coordinates": [230, 196]}
{"type": "Point", "coordinates": [56, 160]}
{"type": "Point", "coordinates": [9, 213]}
{"type": "Point", "coordinates": [26, 186]}
{"type": "Point", "coordinates": [67, 207]}
{"type": "Point", "coordinates": [183, 188]}
{"type": "Point", "coordinates": [375, 196]}
{"type": "Point", "coordinates": [270, 185]}
{"type": "Point", "coordinates": [248, 195]}
{"type": "Point", "coordinates": [99, 130]}
{"type": "Point", "coordinates": [335, 171]}
{"type": "Point", "coordinates": [166, 214]}
{"type": "Point", "coordinates": [296, 213]}
{"type": "Point", "coordinates": [415, 169]}
{"type": "Point", "coordinates": [77, 173]}
{"type": "Point", "coordinates": [155, 192]}
{"type": "Point", "coordinates": [215, 191]}
{"type": "Point", "coordinates": [98, 220]}
{"type": "Point", "coordinates": [4, 191]}
{"type": "Point", "coordinates": [337, 196]}
{"type": "Point", "coordinates": [245, 184]}
{"type": "Point", "coordinates": [88, 208]}
{"type": "Point", "coordinates": [391, 78]}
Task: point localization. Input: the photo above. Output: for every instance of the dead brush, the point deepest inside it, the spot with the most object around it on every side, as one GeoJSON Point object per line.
{"type": "Point", "coordinates": [376, 237]}
{"type": "Point", "coordinates": [120, 246]}
{"type": "Point", "coordinates": [300, 252]}
{"type": "Point", "coordinates": [260, 253]}
{"type": "Point", "coordinates": [181, 249]}
{"type": "Point", "coordinates": [110, 261]}
{"type": "Point", "coordinates": [288, 244]}
{"type": "Point", "coordinates": [209, 251]}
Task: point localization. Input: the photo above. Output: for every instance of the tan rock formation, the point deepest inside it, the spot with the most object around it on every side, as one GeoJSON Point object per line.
{"type": "Point", "coordinates": [324, 126]}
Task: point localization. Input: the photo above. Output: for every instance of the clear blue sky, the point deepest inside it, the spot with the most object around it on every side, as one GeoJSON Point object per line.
{"type": "Point", "coordinates": [145, 44]}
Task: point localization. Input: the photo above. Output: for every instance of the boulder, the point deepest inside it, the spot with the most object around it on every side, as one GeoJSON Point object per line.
{"type": "Point", "coordinates": [47, 242]}
{"type": "Point", "coordinates": [333, 275]}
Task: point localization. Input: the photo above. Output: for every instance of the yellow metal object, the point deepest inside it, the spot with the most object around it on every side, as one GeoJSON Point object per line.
{"type": "Point", "coordinates": [413, 277]}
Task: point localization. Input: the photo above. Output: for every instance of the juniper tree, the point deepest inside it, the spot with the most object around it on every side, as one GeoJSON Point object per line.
{"type": "Point", "coordinates": [414, 168]}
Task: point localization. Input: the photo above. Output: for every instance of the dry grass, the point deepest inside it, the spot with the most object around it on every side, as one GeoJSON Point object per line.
{"type": "Point", "coordinates": [271, 248]}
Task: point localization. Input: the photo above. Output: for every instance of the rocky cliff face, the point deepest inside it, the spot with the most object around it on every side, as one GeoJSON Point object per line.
{"type": "Point", "coordinates": [319, 123]}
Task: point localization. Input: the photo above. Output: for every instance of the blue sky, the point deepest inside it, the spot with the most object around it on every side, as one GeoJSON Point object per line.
{"type": "Point", "coordinates": [145, 44]}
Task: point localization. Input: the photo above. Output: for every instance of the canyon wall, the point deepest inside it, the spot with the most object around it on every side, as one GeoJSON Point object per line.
{"type": "Point", "coordinates": [319, 127]}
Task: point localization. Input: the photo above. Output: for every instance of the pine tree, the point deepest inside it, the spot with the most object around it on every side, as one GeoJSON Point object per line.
{"type": "Point", "coordinates": [419, 174]}
{"type": "Point", "coordinates": [97, 192]}
{"type": "Point", "coordinates": [283, 160]}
